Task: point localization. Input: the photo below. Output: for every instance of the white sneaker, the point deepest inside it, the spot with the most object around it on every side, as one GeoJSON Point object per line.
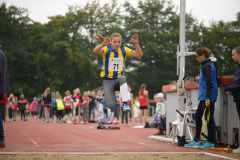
{"type": "Point", "coordinates": [236, 150]}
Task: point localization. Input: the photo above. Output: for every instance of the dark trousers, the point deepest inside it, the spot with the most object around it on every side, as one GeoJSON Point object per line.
{"type": "Point", "coordinates": [211, 126]}
{"type": "Point", "coordinates": [238, 108]}
{"type": "Point", "coordinates": [124, 115]}
{"type": "Point", "coordinates": [163, 123]}
{"type": "Point", "coordinates": [1, 127]}
{"type": "Point", "coordinates": [60, 114]}
{"type": "Point", "coordinates": [22, 114]}
{"type": "Point", "coordinates": [117, 111]}
{"type": "Point", "coordinates": [3, 108]}
{"type": "Point", "coordinates": [10, 113]}
{"type": "Point", "coordinates": [90, 112]}
{"type": "Point", "coordinates": [41, 112]}
{"type": "Point", "coordinates": [105, 113]}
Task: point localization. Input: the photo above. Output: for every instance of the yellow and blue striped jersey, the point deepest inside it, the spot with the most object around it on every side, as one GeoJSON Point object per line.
{"type": "Point", "coordinates": [113, 62]}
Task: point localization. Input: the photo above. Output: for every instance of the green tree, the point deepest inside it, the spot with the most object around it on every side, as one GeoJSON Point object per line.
{"type": "Point", "coordinates": [13, 30]}
{"type": "Point", "coordinates": [157, 24]}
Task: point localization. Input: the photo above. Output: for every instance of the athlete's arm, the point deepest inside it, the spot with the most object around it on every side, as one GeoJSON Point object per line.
{"type": "Point", "coordinates": [99, 48]}
{"type": "Point", "coordinates": [138, 51]}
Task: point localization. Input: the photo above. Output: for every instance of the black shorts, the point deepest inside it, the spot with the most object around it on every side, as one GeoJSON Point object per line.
{"type": "Point", "coordinates": [34, 113]}
{"type": "Point", "coordinates": [68, 110]}
{"type": "Point", "coordinates": [54, 110]}
{"type": "Point", "coordinates": [143, 107]}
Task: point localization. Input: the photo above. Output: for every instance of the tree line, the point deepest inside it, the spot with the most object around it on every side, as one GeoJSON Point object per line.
{"type": "Point", "coordinates": [59, 53]}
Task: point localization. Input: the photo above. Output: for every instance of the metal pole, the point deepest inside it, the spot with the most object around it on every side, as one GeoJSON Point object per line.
{"type": "Point", "coordinates": [182, 39]}
{"type": "Point", "coordinates": [181, 55]}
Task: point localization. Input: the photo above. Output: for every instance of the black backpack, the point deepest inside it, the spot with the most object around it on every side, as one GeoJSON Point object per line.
{"type": "Point", "coordinates": [147, 125]}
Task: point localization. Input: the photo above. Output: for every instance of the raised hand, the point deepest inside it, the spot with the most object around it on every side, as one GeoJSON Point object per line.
{"type": "Point", "coordinates": [106, 41]}
{"type": "Point", "coordinates": [135, 39]}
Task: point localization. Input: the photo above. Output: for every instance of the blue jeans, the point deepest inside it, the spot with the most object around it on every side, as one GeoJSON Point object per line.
{"type": "Point", "coordinates": [211, 126]}
{"type": "Point", "coordinates": [94, 109]}
{"type": "Point", "coordinates": [163, 123]}
{"type": "Point", "coordinates": [154, 123]}
{"type": "Point", "coordinates": [1, 127]}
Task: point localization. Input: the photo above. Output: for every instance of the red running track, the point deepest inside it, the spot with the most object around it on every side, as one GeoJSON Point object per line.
{"type": "Point", "coordinates": [37, 136]}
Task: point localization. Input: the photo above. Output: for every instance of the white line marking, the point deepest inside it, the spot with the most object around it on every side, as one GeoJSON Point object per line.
{"type": "Point", "coordinates": [35, 143]}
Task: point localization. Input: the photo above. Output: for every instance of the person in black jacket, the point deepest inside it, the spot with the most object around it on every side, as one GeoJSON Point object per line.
{"type": "Point", "coordinates": [4, 89]}
{"type": "Point", "coordinates": [234, 89]}
{"type": "Point", "coordinates": [92, 105]}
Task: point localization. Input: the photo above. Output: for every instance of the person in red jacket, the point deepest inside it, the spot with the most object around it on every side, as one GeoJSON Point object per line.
{"type": "Point", "coordinates": [3, 107]}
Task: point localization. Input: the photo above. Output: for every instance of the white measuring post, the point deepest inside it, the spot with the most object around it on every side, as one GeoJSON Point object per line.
{"type": "Point", "coordinates": [181, 70]}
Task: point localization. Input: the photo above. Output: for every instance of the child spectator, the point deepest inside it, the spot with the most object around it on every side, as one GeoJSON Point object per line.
{"type": "Point", "coordinates": [92, 104]}
{"type": "Point", "coordinates": [85, 107]}
{"type": "Point", "coordinates": [35, 108]}
{"type": "Point", "coordinates": [100, 106]}
{"type": "Point", "coordinates": [41, 108]}
{"type": "Point", "coordinates": [10, 105]}
{"type": "Point", "coordinates": [60, 109]}
{"type": "Point", "coordinates": [160, 115]}
{"type": "Point", "coordinates": [21, 105]}
{"type": "Point", "coordinates": [74, 105]}
{"type": "Point", "coordinates": [53, 106]}
{"type": "Point", "coordinates": [15, 108]}
{"type": "Point", "coordinates": [68, 105]}
{"type": "Point", "coordinates": [130, 103]}
{"type": "Point", "coordinates": [27, 108]}
{"type": "Point", "coordinates": [136, 109]}
{"type": "Point", "coordinates": [117, 107]}
{"type": "Point", "coordinates": [124, 115]}
{"type": "Point", "coordinates": [79, 101]}
{"type": "Point", "coordinates": [47, 102]}
{"type": "Point", "coordinates": [105, 111]}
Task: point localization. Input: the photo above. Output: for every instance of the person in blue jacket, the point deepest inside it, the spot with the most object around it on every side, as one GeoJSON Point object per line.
{"type": "Point", "coordinates": [234, 89]}
{"type": "Point", "coordinates": [207, 97]}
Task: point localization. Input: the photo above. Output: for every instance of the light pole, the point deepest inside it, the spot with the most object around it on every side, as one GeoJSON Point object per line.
{"type": "Point", "coordinates": [181, 53]}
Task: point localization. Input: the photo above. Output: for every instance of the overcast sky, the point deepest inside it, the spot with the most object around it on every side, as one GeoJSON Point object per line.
{"type": "Point", "coordinates": [203, 10]}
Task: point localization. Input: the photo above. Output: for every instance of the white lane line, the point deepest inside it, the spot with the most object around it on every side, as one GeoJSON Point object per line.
{"type": "Point", "coordinates": [35, 143]}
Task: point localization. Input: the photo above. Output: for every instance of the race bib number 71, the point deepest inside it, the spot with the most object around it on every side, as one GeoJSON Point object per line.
{"type": "Point", "coordinates": [115, 64]}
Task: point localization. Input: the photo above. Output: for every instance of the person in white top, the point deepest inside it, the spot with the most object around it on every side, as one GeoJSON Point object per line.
{"type": "Point", "coordinates": [68, 105]}
{"type": "Point", "coordinates": [10, 106]}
